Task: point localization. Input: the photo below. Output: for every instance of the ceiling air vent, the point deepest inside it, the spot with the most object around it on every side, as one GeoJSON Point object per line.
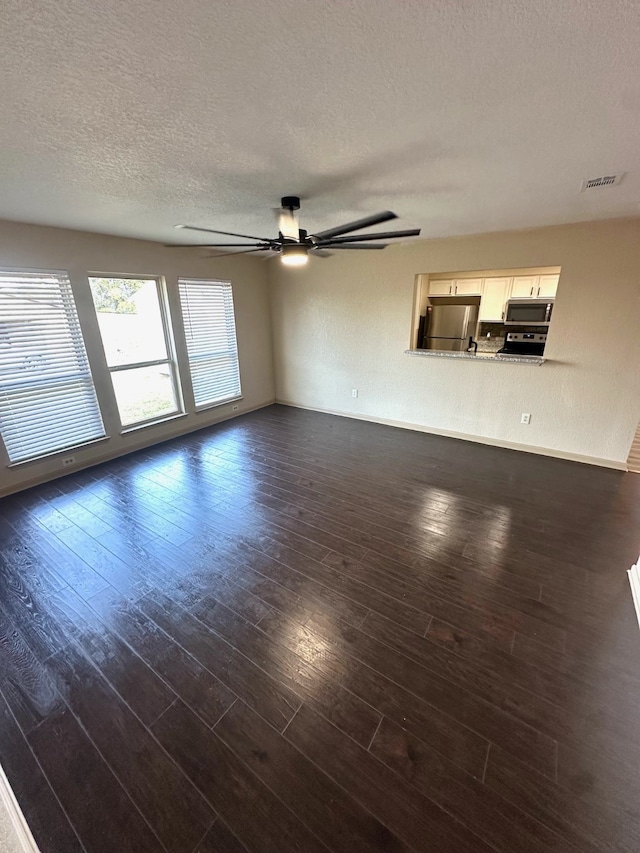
{"type": "Point", "coordinates": [604, 181]}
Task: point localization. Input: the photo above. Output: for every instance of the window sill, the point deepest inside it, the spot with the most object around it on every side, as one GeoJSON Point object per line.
{"type": "Point", "coordinates": [68, 451]}
{"type": "Point", "coordinates": [147, 424]}
{"type": "Point", "coordinates": [177, 416]}
{"type": "Point", "coordinates": [217, 405]}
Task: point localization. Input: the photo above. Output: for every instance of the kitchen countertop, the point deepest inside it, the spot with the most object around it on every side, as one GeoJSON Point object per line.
{"type": "Point", "coordinates": [481, 356]}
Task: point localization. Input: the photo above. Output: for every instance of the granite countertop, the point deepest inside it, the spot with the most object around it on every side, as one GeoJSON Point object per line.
{"type": "Point", "coordinates": [481, 356]}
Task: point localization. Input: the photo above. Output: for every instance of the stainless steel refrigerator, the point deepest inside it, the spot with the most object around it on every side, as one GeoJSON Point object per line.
{"type": "Point", "coordinates": [449, 327]}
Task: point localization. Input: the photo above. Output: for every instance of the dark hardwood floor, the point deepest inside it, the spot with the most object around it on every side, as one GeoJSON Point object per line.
{"type": "Point", "coordinates": [297, 632]}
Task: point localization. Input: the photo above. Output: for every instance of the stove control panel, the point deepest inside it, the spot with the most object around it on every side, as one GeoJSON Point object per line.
{"type": "Point", "coordinates": [526, 337]}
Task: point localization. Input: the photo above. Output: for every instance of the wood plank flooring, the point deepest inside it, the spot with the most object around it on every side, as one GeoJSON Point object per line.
{"type": "Point", "coordinates": [298, 632]}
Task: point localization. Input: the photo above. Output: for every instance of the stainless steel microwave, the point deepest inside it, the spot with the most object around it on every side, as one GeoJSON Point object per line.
{"type": "Point", "coordinates": [528, 312]}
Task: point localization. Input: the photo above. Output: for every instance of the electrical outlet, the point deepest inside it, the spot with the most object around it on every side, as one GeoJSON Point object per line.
{"type": "Point", "coordinates": [68, 460]}
{"type": "Point", "coordinates": [234, 408]}
{"type": "Point", "coordinates": [354, 392]}
{"type": "Point", "coordinates": [526, 418]}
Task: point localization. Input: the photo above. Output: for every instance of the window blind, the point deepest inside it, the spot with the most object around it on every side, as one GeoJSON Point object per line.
{"type": "Point", "coordinates": [47, 398]}
{"type": "Point", "coordinates": [210, 330]}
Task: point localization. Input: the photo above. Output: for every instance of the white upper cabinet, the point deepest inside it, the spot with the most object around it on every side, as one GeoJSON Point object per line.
{"type": "Point", "coordinates": [495, 294]}
{"type": "Point", "coordinates": [445, 287]}
{"type": "Point", "coordinates": [534, 286]}
{"type": "Point", "coordinates": [456, 287]}
{"type": "Point", "coordinates": [468, 287]}
{"type": "Point", "coordinates": [547, 286]}
{"type": "Point", "coordinates": [524, 287]}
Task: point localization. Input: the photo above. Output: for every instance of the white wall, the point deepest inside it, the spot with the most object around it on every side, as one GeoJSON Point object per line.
{"type": "Point", "coordinates": [28, 246]}
{"type": "Point", "coordinates": [344, 323]}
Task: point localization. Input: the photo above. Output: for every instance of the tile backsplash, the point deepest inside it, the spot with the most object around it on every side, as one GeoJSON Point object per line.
{"type": "Point", "coordinates": [491, 337]}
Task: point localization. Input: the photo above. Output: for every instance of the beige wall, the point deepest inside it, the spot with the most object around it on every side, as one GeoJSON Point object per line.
{"type": "Point", "coordinates": [26, 246]}
{"type": "Point", "coordinates": [344, 323]}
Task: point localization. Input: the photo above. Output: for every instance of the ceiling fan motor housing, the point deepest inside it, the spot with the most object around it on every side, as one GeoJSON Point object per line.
{"type": "Point", "coordinates": [290, 202]}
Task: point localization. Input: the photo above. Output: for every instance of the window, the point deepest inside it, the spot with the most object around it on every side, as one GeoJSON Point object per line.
{"type": "Point", "coordinates": [133, 326]}
{"type": "Point", "coordinates": [47, 399]}
{"type": "Point", "coordinates": [210, 330]}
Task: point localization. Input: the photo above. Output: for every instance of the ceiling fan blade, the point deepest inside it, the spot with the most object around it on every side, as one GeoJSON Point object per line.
{"type": "Point", "coordinates": [381, 235]}
{"type": "Point", "coordinates": [226, 233]}
{"type": "Point", "coordinates": [246, 252]}
{"type": "Point", "coordinates": [375, 219]}
{"type": "Point", "coordinates": [333, 246]}
{"type": "Point", "coordinates": [209, 245]}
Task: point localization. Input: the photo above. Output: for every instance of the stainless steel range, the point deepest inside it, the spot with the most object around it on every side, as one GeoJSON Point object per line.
{"type": "Point", "coordinates": [524, 343]}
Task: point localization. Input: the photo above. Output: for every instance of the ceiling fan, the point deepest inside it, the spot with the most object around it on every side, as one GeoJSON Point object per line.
{"type": "Point", "coordinates": [294, 244]}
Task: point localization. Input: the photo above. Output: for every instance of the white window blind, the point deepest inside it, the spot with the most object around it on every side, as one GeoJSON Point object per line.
{"type": "Point", "coordinates": [47, 398]}
{"type": "Point", "coordinates": [210, 330]}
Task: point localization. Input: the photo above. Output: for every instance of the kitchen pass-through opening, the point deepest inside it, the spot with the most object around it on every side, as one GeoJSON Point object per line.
{"type": "Point", "coordinates": [489, 312]}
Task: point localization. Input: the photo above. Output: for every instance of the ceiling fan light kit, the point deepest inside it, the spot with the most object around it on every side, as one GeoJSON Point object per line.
{"type": "Point", "coordinates": [294, 254]}
{"type": "Point", "coordinates": [294, 244]}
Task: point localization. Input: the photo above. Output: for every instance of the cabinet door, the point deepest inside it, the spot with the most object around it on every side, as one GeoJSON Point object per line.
{"type": "Point", "coordinates": [468, 287]}
{"type": "Point", "coordinates": [441, 288]}
{"type": "Point", "coordinates": [524, 286]}
{"type": "Point", "coordinates": [494, 296]}
{"type": "Point", "coordinates": [547, 286]}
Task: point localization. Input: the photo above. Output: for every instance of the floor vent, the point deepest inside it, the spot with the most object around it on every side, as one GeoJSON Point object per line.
{"type": "Point", "coordinates": [604, 181]}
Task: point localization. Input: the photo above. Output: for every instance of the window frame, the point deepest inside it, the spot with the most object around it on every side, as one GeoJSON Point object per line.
{"type": "Point", "coordinates": [171, 360]}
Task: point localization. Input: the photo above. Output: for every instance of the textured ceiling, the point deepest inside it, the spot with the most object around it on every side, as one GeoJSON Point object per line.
{"type": "Point", "coordinates": [461, 115]}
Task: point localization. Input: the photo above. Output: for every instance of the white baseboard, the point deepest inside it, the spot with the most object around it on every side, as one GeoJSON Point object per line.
{"type": "Point", "coordinates": [634, 580]}
{"type": "Point", "coordinates": [11, 808]}
{"type": "Point", "coordinates": [478, 439]}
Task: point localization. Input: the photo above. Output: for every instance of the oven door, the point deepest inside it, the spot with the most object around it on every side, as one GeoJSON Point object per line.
{"type": "Point", "coordinates": [527, 312]}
